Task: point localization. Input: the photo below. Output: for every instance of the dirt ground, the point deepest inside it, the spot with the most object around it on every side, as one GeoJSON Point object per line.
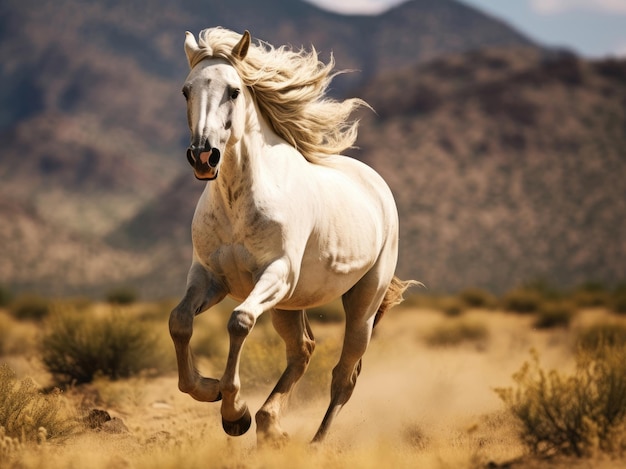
{"type": "Point", "coordinates": [415, 405]}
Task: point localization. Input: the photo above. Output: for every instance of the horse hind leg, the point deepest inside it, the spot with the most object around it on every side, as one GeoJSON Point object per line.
{"type": "Point", "coordinates": [360, 304]}
{"type": "Point", "coordinates": [294, 329]}
{"type": "Point", "coordinates": [364, 305]}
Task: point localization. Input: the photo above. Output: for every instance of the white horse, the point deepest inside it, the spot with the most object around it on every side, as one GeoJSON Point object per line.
{"type": "Point", "coordinates": [285, 223]}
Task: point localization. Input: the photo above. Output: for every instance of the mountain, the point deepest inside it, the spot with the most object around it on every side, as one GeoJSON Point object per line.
{"type": "Point", "coordinates": [507, 165]}
{"type": "Point", "coordinates": [40, 256]}
{"type": "Point", "coordinates": [93, 132]}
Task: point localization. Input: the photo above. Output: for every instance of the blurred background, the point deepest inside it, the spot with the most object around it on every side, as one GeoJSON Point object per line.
{"type": "Point", "coordinates": [500, 127]}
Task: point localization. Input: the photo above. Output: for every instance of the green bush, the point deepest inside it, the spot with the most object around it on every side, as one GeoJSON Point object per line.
{"type": "Point", "coordinates": [262, 359]}
{"type": "Point", "coordinates": [30, 307]}
{"type": "Point", "coordinates": [522, 300]}
{"type": "Point", "coordinates": [122, 296]}
{"type": "Point", "coordinates": [544, 289]}
{"type": "Point", "coordinates": [457, 331]}
{"type": "Point", "coordinates": [328, 313]}
{"type": "Point", "coordinates": [5, 334]}
{"type": "Point", "coordinates": [591, 295]}
{"type": "Point", "coordinates": [554, 314]}
{"type": "Point", "coordinates": [5, 296]}
{"type": "Point", "coordinates": [618, 300]}
{"type": "Point", "coordinates": [77, 347]}
{"type": "Point", "coordinates": [477, 298]}
{"type": "Point", "coordinates": [573, 415]}
{"type": "Point", "coordinates": [28, 415]}
{"type": "Point", "coordinates": [618, 304]}
{"type": "Point", "coordinates": [450, 306]}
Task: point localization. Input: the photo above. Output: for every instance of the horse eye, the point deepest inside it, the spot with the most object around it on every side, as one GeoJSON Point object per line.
{"type": "Point", "coordinates": [186, 93]}
{"type": "Point", "coordinates": [234, 93]}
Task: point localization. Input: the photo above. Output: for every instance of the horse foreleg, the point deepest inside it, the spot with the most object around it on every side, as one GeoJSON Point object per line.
{"type": "Point", "coordinates": [271, 287]}
{"type": "Point", "coordinates": [202, 292]}
{"type": "Point", "coordinates": [294, 329]}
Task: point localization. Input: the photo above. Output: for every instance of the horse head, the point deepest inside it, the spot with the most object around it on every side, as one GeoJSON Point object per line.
{"type": "Point", "coordinates": [215, 105]}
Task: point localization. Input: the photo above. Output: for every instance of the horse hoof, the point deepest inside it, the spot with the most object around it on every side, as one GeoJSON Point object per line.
{"type": "Point", "coordinates": [239, 426]}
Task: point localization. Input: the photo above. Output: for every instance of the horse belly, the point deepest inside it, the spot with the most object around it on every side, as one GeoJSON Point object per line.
{"type": "Point", "coordinates": [325, 278]}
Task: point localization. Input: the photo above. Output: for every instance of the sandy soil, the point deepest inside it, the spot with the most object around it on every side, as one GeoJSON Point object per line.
{"type": "Point", "coordinates": [415, 405]}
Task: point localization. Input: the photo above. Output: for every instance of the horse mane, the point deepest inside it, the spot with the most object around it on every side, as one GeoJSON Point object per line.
{"type": "Point", "coordinates": [290, 90]}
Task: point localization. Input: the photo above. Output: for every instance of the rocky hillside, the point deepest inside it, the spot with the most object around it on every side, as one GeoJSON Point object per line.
{"type": "Point", "coordinates": [507, 165]}
{"type": "Point", "coordinates": [93, 134]}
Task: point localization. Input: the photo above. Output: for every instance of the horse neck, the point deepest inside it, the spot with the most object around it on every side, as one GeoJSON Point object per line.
{"type": "Point", "coordinates": [244, 162]}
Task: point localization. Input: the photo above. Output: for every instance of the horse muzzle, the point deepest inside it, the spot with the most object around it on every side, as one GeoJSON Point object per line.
{"type": "Point", "coordinates": [204, 161]}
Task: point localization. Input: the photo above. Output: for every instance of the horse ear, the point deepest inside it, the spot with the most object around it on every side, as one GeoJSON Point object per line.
{"type": "Point", "coordinates": [241, 49]}
{"type": "Point", "coordinates": [191, 46]}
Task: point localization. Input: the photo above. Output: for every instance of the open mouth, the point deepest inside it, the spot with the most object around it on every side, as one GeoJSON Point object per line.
{"type": "Point", "coordinates": [204, 162]}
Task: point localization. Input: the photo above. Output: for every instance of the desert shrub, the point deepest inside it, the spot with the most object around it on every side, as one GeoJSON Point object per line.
{"type": "Point", "coordinates": [77, 347]}
{"type": "Point", "coordinates": [554, 314]}
{"type": "Point", "coordinates": [618, 304]}
{"type": "Point", "coordinates": [316, 381]}
{"type": "Point", "coordinates": [522, 300]}
{"type": "Point", "coordinates": [590, 295]}
{"type": "Point", "coordinates": [211, 343]}
{"type": "Point", "coordinates": [328, 313]}
{"type": "Point", "coordinates": [573, 415]}
{"type": "Point", "coordinates": [450, 306]}
{"type": "Point", "coordinates": [157, 311]}
{"type": "Point", "coordinates": [29, 415]}
{"type": "Point", "coordinates": [122, 296]}
{"type": "Point", "coordinates": [77, 303]}
{"type": "Point", "coordinates": [5, 334]}
{"type": "Point", "coordinates": [262, 359]}
{"type": "Point", "coordinates": [5, 296]}
{"type": "Point", "coordinates": [544, 289]}
{"type": "Point", "coordinates": [477, 298]}
{"type": "Point", "coordinates": [599, 335]}
{"type": "Point", "coordinates": [16, 337]}
{"type": "Point", "coordinates": [457, 331]}
{"type": "Point", "coordinates": [30, 307]}
{"type": "Point", "coordinates": [618, 299]}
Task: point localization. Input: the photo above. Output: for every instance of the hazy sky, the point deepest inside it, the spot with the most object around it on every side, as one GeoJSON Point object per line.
{"type": "Point", "coordinates": [593, 28]}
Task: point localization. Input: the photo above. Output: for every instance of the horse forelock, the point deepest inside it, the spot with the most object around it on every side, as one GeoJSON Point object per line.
{"type": "Point", "coordinates": [290, 90]}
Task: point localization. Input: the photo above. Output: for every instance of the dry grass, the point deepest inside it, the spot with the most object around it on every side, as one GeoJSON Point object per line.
{"type": "Point", "coordinates": [415, 405]}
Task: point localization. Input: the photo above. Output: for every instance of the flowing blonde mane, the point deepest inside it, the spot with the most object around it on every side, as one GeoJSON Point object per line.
{"type": "Point", "coordinates": [290, 90]}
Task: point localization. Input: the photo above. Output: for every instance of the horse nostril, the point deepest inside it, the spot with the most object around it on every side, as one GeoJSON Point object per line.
{"type": "Point", "coordinates": [214, 159]}
{"type": "Point", "coordinates": [190, 157]}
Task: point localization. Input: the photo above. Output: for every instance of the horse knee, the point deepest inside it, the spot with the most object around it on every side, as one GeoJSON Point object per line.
{"type": "Point", "coordinates": [181, 326]}
{"type": "Point", "coordinates": [240, 323]}
{"type": "Point", "coordinates": [229, 388]}
{"type": "Point", "coordinates": [344, 380]}
{"type": "Point", "coordinates": [308, 347]}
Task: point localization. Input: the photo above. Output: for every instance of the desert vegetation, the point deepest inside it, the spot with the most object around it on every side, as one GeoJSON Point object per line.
{"type": "Point", "coordinates": [531, 378]}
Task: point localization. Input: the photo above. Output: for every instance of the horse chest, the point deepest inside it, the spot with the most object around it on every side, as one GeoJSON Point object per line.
{"type": "Point", "coordinates": [236, 247]}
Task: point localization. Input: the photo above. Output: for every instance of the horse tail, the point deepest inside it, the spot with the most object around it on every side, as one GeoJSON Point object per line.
{"type": "Point", "coordinates": [393, 296]}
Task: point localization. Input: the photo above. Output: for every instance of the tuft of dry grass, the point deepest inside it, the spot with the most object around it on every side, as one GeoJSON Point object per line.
{"type": "Point", "coordinates": [29, 415]}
